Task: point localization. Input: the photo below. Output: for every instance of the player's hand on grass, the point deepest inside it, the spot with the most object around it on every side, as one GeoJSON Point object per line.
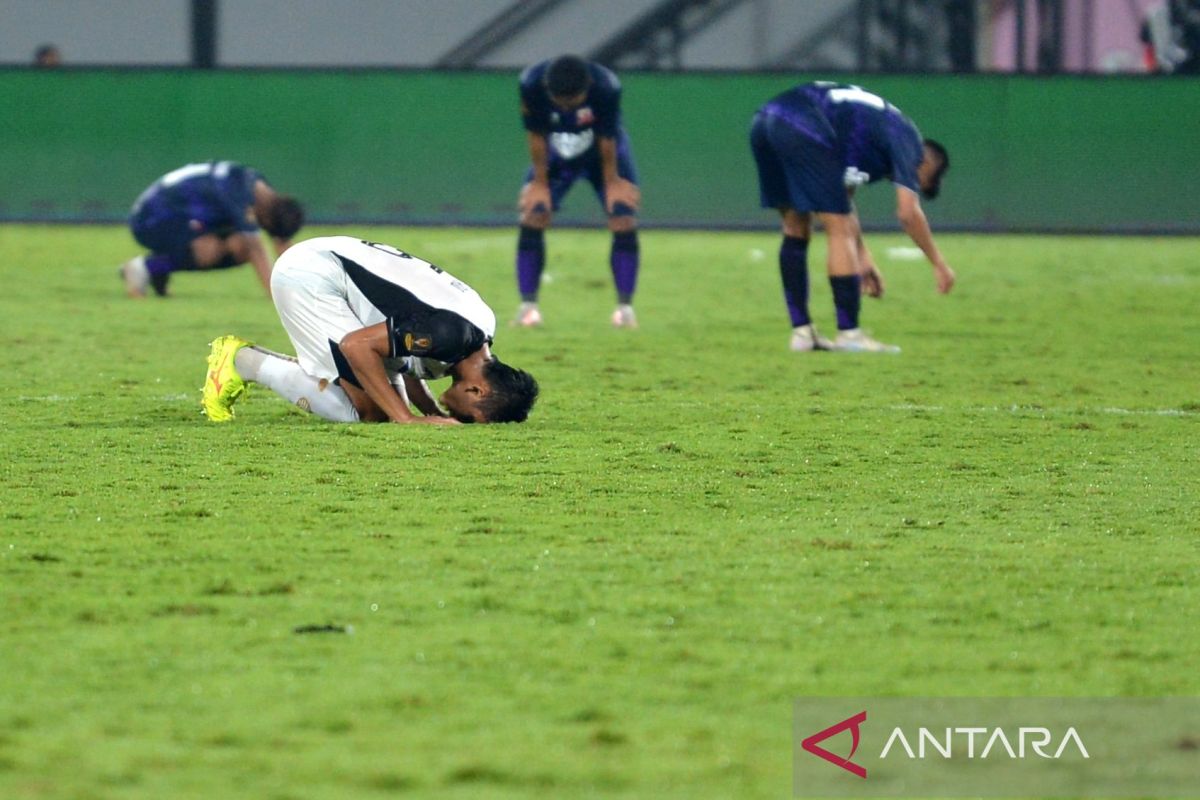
{"type": "Point", "coordinates": [436, 420]}
{"type": "Point", "coordinates": [534, 198]}
{"type": "Point", "coordinates": [872, 280]}
{"type": "Point", "coordinates": [944, 276]}
{"type": "Point", "coordinates": [623, 192]}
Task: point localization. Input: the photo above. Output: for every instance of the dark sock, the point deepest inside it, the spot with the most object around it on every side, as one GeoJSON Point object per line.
{"type": "Point", "coordinates": [793, 269]}
{"type": "Point", "coordinates": [159, 266]}
{"type": "Point", "coordinates": [847, 299]}
{"type": "Point", "coordinates": [531, 259]}
{"type": "Point", "coordinates": [625, 259]}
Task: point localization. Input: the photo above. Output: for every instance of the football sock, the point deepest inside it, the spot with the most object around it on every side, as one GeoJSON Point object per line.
{"type": "Point", "coordinates": [158, 264]}
{"type": "Point", "coordinates": [625, 260]}
{"type": "Point", "coordinates": [847, 299]}
{"type": "Point", "coordinates": [531, 259]}
{"type": "Point", "coordinates": [793, 269]}
{"type": "Point", "coordinates": [284, 376]}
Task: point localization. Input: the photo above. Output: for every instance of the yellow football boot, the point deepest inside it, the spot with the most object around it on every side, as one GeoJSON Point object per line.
{"type": "Point", "coordinates": [223, 385]}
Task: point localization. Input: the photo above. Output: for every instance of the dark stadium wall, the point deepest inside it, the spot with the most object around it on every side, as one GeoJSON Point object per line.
{"type": "Point", "coordinates": [1029, 153]}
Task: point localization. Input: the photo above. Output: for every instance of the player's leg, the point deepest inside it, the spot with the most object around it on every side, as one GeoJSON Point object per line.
{"type": "Point", "coordinates": [531, 239]}
{"type": "Point", "coordinates": [168, 240]}
{"type": "Point", "coordinates": [283, 375]}
{"type": "Point", "coordinates": [625, 253]}
{"type": "Point", "coordinates": [844, 280]}
{"type": "Point", "coordinates": [308, 291]}
{"type": "Point", "coordinates": [779, 156]}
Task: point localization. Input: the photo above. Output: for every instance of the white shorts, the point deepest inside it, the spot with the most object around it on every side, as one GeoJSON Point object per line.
{"type": "Point", "coordinates": [309, 289]}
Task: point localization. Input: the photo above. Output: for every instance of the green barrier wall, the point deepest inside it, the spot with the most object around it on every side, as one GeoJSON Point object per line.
{"type": "Point", "coordinates": [1052, 154]}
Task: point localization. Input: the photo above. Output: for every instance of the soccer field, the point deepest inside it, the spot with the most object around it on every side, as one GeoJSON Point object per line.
{"type": "Point", "coordinates": [623, 596]}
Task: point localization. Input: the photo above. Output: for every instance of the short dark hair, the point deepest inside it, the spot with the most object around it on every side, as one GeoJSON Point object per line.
{"type": "Point", "coordinates": [567, 76]}
{"type": "Point", "coordinates": [283, 218]}
{"type": "Point", "coordinates": [942, 168]}
{"type": "Point", "coordinates": [511, 394]}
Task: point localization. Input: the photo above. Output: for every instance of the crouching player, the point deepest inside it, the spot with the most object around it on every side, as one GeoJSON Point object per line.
{"type": "Point", "coordinates": [369, 325]}
{"type": "Point", "coordinates": [206, 216]}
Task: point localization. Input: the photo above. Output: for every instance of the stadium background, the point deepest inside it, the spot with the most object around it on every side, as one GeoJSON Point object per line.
{"type": "Point", "coordinates": [405, 113]}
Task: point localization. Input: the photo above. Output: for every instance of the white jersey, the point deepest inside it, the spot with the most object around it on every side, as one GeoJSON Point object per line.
{"type": "Point", "coordinates": [328, 287]}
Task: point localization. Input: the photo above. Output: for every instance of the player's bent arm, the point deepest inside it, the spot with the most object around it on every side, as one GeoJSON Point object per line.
{"type": "Point", "coordinates": [418, 393]}
{"type": "Point", "coordinates": [868, 270]}
{"type": "Point", "coordinates": [539, 157]}
{"type": "Point", "coordinates": [365, 349]}
{"type": "Point", "coordinates": [616, 188]}
{"type": "Point", "coordinates": [912, 219]}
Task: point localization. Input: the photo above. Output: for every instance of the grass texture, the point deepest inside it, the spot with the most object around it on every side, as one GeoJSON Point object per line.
{"type": "Point", "coordinates": [622, 597]}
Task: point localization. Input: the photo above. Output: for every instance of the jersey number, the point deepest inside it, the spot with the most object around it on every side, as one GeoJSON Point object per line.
{"type": "Point", "coordinates": [392, 251]}
{"type": "Point", "coordinates": [853, 94]}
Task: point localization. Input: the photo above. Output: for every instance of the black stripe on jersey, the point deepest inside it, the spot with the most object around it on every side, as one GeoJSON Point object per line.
{"type": "Point", "coordinates": [345, 371]}
{"type": "Point", "coordinates": [415, 327]}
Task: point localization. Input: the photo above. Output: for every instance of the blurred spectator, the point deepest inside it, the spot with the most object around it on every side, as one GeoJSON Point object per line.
{"type": "Point", "coordinates": [47, 55]}
{"type": "Point", "coordinates": [1171, 35]}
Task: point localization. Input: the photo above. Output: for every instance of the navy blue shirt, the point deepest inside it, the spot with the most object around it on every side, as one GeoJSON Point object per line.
{"type": "Point", "coordinates": [874, 138]}
{"type": "Point", "coordinates": [571, 134]}
{"type": "Point", "coordinates": [213, 195]}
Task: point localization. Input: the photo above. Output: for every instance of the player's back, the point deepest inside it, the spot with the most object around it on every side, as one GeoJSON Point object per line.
{"type": "Point", "coordinates": [874, 136]}
{"type": "Point", "coordinates": [386, 282]}
{"type": "Point", "coordinates": [212, 192]}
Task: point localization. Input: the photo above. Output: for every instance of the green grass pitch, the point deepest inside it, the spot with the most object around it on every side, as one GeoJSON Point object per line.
{"type": "Point", "coordinates": [622, 597]}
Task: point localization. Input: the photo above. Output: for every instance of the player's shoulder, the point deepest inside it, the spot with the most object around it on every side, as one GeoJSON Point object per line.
{"type": "Point", "coordinates": [531, 76]}
{"type": "Point", "coordinates": [604, 78]}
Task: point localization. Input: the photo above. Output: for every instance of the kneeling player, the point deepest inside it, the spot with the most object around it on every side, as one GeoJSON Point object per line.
{"type": "Point", "coordinates": [370, 324]}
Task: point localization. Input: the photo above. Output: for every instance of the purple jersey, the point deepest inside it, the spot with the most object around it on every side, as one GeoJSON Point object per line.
{"type": "Point", "coordinates": [572, 134]}
{"type": "Point", "coordinates": [875, 140]}
{"type": "Point", "coordinates": [213, 197]}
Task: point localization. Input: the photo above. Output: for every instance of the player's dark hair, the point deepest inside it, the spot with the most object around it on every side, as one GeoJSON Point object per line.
{"type": "Point", "coordinates": [511, 394]}
{"type": "Point", "coordinates": [284, 216]}
{"type": "Point", "coordinates": [567, 76]}
{"type": "Point", "coordinates": [942, 168]}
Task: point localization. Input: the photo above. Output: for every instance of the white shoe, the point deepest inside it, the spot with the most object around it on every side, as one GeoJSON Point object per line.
{"type": "Point", "coordinates": [805, 339]}
{"type": "Point", "coordinates": [624, 317]}
{"type": "Point", "coordinates": [528, 316]}
{"type": "Point", "coordinates": [136, 276]}
{"type": "Point", "coordinates": [855, 341]}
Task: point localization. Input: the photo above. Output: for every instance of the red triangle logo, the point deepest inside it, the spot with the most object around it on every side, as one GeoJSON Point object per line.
{"type": "Point", "coordinates": [810, 744]}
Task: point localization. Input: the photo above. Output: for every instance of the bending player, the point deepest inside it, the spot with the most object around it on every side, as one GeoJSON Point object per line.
{"type": "Point", "coordinates": [813, 146]}
{"type": "Point", "coordinates": [370, 324]}
{"type": "Point", "coordinates": [572, 115]}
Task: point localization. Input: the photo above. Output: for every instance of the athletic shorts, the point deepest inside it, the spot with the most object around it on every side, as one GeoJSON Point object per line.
{"type": "Point", "coordinates": [799, 167]}
{"type": "Point", "coordinates": [167, 235]}
{"type": "Point", "coordinates": [309, 288]}
{"type": "Point", "coordinates": [562, 173]}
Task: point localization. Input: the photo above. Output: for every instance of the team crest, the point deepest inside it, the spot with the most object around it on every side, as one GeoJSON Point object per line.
{"type": "Point", "coordinates": [416, 343]}
{"type": "Point", "coordinates": [584, 116]}
{"type": "Point", "coordinates": [554, 118]}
